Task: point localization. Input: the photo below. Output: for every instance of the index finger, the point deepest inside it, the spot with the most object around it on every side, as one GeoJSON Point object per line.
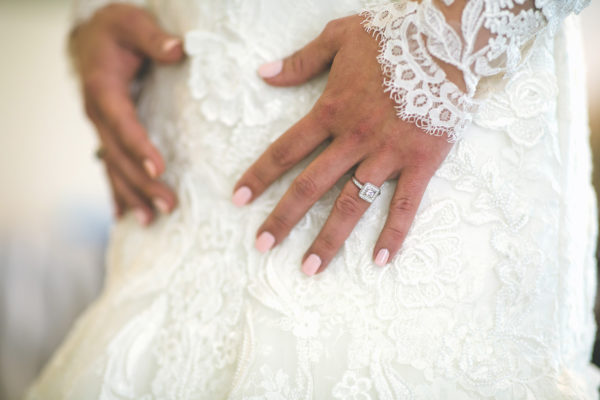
{"type": "Point", "coordinates": [118, 112]}
{"type": "Point", "coordinates": [285, 152]}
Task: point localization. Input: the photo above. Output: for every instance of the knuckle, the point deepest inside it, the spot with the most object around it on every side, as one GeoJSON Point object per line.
{"type": "Point", "coordinates": [326, 244]}
{"type": "Point", "coordinates": [347, 205]}
{"type": "Point", "coordinates": [395, 234]}
{"type": "Point", "coordinates": [402, 205]}
{"type": "Point", "coordinates": [304, 187]}
{"type": "Point", "coordinates": [282, 156]}
{"type": "Point", "coordinates": [148, 187]}
{"type": "Point", "coordinates": [130, 17]}
{"type": "Point", "coordinates": [280, 223]}
{"type": "Point", "coordinates": [93, 85]}
{"type": "Point", "coordinates": [257, 177]}
{"type": "Point", "coordinates": [297, 63]}
{"type": "Point", "coordinates": [327, 110]}
{"type": "Point", "coordinates": [361, 131]}
{"type": "Point", "coordinates": [332, 30]}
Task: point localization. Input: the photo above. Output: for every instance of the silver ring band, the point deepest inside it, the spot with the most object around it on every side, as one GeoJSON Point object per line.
{"type": "Point", "coordinates": [368, 191]}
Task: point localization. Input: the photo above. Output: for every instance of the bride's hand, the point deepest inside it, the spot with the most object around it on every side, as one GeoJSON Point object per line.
{"type": "Point", "coordinates": [359, 119]}
{"type": "Point", "coordinates": [109, 51]}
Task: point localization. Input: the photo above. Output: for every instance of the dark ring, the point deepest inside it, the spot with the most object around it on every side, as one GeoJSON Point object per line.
{"type": "Point", "coordinates": [100, 153]}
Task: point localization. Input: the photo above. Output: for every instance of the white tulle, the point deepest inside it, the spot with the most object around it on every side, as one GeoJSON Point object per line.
{"type": "Point", "coordinates": [491, 296]}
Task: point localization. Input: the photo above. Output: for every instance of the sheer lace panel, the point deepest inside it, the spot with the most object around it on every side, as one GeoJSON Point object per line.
{"type": "Point", "coordinates": [424, 43]}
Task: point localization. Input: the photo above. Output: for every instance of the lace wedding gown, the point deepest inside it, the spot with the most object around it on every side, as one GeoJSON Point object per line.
{"type": "Point", "coordinates": [490, 297]}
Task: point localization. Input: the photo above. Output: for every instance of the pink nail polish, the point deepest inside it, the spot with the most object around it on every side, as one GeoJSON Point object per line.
{"type": "Point", "coordinates": [270, 69]}
{"type": "Point", "coordinates": [161, 205]}
{"type": "Point", "coordinates": [264, 242]}
{"type": "Point", "coordinates": [150, 168]}
{"type": "Point", "coordinates": [382, 257]}
{"type": "Point", "coordinates": [142, 217]}
{"type": "Point", "coordinates": [170, 44]}
{"type": "Point", "coordinates": [242, 196]}
{"type": "Point", "coordinates": [311, 265]}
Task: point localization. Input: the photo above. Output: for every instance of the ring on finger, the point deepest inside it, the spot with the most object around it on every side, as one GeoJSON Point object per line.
{"type": "Point", "coordinates": [368, 191]}
{"type": "Point", "coordinates": [100, 153]}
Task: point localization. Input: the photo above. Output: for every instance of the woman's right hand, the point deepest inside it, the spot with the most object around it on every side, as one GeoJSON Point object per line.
{"type": "Point", "coordinates": [109, 51]}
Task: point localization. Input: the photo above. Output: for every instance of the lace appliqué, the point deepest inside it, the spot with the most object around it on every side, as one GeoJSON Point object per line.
{"type": "Point", "coordinates": [414, 37]}
{"type": "Point", "coordinates": [415, 82]}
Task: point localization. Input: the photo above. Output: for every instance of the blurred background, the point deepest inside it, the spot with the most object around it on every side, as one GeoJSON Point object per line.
{"type": "Point", "coordinates": [55, 207]}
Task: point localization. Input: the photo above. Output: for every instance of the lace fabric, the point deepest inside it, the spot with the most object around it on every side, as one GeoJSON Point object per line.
{"type": "Point", "coordinates": [486, 40]}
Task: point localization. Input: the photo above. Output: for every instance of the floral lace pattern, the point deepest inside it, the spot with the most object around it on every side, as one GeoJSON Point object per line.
{"type": "Point", "coordinates": [416, 36]}
{"type": "Point", "coordinates": [490, 297]}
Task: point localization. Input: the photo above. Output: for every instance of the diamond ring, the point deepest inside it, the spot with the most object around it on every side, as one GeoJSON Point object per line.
{"type": "Point", "coordinates": [368, 191]}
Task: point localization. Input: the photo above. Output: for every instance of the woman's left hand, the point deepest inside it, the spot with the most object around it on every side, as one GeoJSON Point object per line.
{"type": "Point", "coordinates": [359, 118]}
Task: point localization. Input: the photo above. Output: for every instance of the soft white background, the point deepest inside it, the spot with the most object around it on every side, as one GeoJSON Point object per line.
{"type": "Point", "coordinates": [54, 205]}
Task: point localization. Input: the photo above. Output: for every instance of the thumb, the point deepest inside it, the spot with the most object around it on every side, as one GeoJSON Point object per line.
{"type": "Point", "coordinates": [306, 63]}
{"type": "Point", "coordinates": [141, 31]}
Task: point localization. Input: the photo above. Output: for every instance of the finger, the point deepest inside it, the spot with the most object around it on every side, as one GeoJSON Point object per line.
{"type": "Point", "coordinates": [138, 29]}
{"type": "Point", "coordinates": [289, 149]}
{"type": "Point", "coordinates": [159, 194]}
{"type": "Point", "coordinates": [305, 190]}
{"type": "Point", "coordinates": [133, 200]}
{"type": "Point", "coordinates": [114, 108]}
{"type": "Point", "coordinates": [403, 207]}
{"type": "Point", "coordinates": [120, 205]}
{"type": "Point", "coordinates": [347, 210]}
{"type": "Point", "coordinates": [308, 62]}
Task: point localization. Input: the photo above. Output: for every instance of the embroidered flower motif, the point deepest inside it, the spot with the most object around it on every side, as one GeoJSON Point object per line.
{"type": "Point", "coordinates": [304, 324]}
{"type": "Point", "coordinates": [418, 276]}
{"type": "Point", "coordinates": [224, 81]}
{"type": "Point", "coordinates": [520, 109]}
{"type": "Point", "coordinates": [352, 387]}
{"type": "Point", "coordinates": [275, 385]}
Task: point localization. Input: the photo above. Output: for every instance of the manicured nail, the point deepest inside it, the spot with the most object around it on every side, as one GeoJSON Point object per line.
{"type": "Point", "coordinates": [242, 196]}
{"type": "Point", "coordinates": [142, 217]}
{"type": "Point", "coordinates": [161, 205]}
{"type": "Point", "coordinates": [264, 242]}
{"type": "Point", "coordinates": [382, 257]}
{"type": "Point", "coordinates": [170, 44]}
{"type": "Point", "coordinates": [150, 168]}
{"type": "Point", "coordinates": [311, 265]}
{"type": "Point", "coordinates": [270, 69]}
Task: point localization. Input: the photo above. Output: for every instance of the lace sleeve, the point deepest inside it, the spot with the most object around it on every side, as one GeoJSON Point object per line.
{"type": "Point", "coordinates": [84, 9]}
{"type": "Point", "coordinates": [434, 52]}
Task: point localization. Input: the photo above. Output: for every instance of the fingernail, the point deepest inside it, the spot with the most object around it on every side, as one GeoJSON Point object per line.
{"type": "Point", "coordinates": [162, 205]}
{"type": "Point", "coordinates": [270, 69]}
{"type": "Point", "coordinates": [311, 265]}
{"type": "Point", "coordinates": [264, 242]}
{"type": "Point", "coordinates": [382, 257]}
{"type": "Point", "coordinates": [150, 168]}
{"type": "Point", "coordinates": [242, 196]}
{"type": "Point", "coordinates": [170, 44]}
{"type": "Point", "coordinates": [142, 217]}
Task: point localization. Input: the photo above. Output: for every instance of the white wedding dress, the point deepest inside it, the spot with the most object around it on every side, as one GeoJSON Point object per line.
{"type": "Point", "coordinates": [491, 296]}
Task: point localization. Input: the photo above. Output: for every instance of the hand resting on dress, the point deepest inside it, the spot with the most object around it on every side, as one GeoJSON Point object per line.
{"type": "Point", "coordinates": [360, 121]}
{"type": "Point", "coordinates": [109, 51]}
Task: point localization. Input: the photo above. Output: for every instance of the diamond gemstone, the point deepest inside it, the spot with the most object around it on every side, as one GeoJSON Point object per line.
{"type": "Point", "coordinates": [369, 192]}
